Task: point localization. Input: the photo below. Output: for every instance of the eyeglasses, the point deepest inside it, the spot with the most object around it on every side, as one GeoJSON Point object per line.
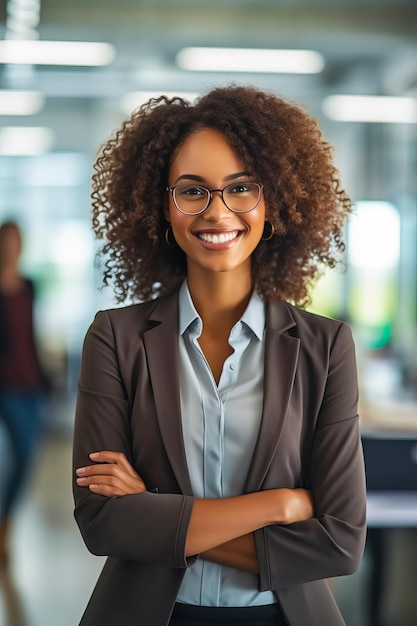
{"type": "Point", "coordinates": [194, 199]}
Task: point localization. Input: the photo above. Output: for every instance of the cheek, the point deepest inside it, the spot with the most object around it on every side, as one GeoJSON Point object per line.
{"type": "Point", "coordinates": [179, 222]}
{"type": "Point", "coordinates": [256, 220]}
{"type": "Point", "coordinates": [174, 217]}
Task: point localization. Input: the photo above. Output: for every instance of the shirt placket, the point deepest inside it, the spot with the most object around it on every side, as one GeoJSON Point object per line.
{"type": "Point", "coordinates": [214, 446]}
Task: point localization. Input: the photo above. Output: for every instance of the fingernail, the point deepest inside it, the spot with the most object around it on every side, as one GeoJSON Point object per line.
{"type": "Point", "coordinates": [81, 480]}
{"type": "Point", "coordinates": [93, 455]}
{"type": "Point", "coordinates": [80, 470]}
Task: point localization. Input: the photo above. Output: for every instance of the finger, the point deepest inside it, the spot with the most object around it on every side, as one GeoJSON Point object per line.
{"type": "Point", "coordinates": [111, 483]}
{"type": "Point", "coordinates": [109, 456]}
{"type": "Point", "coordinates": [113, 459]}
{"type": "Point", "coordinates": [109, 469]}
{"type": "Point", "coordinates": [120, 485]}
{"type": "Point", "coordinates": [105, 490]}
{"type": "Point", "coordinates": [131, 479]}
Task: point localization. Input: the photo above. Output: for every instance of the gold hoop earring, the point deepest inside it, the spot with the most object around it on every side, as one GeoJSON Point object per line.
{"type": "Point", "coordinates": [167, 233]}
{"type": "Point", "coordinates": [272, 231]}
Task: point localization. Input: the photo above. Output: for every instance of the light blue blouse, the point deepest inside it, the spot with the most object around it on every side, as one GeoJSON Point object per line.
{"type": "Point", "coordinates": [220, 426]}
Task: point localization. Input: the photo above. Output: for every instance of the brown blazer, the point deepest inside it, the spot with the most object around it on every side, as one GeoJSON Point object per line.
{"type": "Point", "coordinates": [309, 437]}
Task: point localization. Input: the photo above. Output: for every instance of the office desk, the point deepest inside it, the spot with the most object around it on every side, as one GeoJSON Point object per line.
{"type": "Point", "coordinates": [387, 511]}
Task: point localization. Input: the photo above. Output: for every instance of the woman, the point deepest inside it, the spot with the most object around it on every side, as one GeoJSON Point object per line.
{"type": "Point", "coordinates": [217, 448]}
{"type": "Point", "coordinates": [22, 381]}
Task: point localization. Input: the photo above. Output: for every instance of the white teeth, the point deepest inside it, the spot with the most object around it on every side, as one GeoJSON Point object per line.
{"type": "Point", "coordinates": [221, 238]}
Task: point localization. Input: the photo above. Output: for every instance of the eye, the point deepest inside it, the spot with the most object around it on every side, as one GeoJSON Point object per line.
{"type": "Point", "coordinates": [240, 188]}
{"type": "Point", "coordinates": [192, 192]}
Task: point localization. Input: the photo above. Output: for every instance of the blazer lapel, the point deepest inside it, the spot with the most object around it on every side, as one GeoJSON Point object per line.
{"type": "Point", "coordinates": [281, 356]}
{"type": "Point", "coordinates": [161, 345]}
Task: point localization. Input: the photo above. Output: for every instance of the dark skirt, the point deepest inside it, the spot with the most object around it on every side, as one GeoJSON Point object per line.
{"type": "Point", "coordinates": [190, 615]}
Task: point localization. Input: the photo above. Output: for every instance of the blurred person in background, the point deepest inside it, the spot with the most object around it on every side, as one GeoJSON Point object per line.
{"type": "Point", "coordinates": [22, 381]}
{"type": "Point", "coordinates": [217, 453]}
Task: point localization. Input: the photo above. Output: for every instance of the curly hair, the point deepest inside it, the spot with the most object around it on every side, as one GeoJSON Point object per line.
{"type": "Point", "coordinates": [281, 146]}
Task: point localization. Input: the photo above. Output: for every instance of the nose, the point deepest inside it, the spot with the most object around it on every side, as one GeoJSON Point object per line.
{"type": "Point", "coordinates": [216, 208]}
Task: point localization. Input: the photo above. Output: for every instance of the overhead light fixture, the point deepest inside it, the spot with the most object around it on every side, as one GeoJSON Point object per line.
{"type": "Point", "coordinates": [37, 52]}
{"type": "Point", "coordinates": [135, 99]}
{"type": "Point", "coordinates": [382, 250]}
{"type": "Point", "coordinates": [250, 60]}
{"type": "Point", "coordinates": [18, 102]}
{"type": "Point", "coordinates": [382, 109]}
{"type": "Point", "coordinates": [25, 140]}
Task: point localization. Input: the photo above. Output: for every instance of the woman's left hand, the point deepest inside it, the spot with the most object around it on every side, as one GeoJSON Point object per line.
{"type": "Point", "coordinates": [111, 475]}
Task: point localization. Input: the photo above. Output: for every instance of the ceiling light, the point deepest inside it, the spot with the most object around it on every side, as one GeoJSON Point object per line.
{"type": "Point", "coordinates": [135, 99]}
{"type": "Point", "coordinates": [385, 109]}
{"type": "Point", "coordinates": [250, 60]}
{"type": "Point", "coordinates": [16, 102]}
{"type": "Point", "coordinates": [25, 140]}
{"type": "Point", "coordinates": [36, 52]}
{"type": "Point", "coordinates": [382, 250]}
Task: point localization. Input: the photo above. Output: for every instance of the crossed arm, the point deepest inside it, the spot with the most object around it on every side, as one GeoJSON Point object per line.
{"type": "Point", "coordinates": [220, 529]}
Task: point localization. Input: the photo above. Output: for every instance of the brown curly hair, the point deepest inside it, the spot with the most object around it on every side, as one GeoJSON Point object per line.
{"type": "Point", "coordinates": [279, 143]}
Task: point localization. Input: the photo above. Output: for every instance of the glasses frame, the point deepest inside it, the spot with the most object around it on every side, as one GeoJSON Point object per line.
{"type": "Point", "coordinates": [210, 197]}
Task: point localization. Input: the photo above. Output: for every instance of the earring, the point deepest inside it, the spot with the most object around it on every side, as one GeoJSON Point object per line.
{"type": "Point", "coordinates": [167, 234]}
{"type": "Point", "coordinates": [265, 236]}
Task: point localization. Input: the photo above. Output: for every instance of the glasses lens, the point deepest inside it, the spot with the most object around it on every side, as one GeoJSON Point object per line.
{"type": "Point", "coordinates": [191, 198]}
{"type": "Point", "coordinates": [242, 196]}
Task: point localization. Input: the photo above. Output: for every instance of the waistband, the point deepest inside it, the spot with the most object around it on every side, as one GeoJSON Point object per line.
{"type": "Point", "coordinates": [265, 615]}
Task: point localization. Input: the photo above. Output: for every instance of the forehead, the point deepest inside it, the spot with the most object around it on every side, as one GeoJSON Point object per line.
{"type": "Point", "coordinates": [206, 152]}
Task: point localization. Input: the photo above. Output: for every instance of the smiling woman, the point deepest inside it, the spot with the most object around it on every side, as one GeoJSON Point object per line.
{"type": "Point", "coordinates": [306, 204]}
{"type": "Point", "coordinates": [216, 433]}
{"type": "Point", "coordinates": [219, 228]}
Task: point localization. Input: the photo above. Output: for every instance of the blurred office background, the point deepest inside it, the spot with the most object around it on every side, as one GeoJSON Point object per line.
{"type": "Point", "coordinates": [357, 73]}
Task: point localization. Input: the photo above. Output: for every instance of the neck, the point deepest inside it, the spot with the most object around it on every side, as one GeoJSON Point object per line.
{"type": "Point", "coordinates": [220, 298]}
{"type": "Point", "coordinates": [10, 278]}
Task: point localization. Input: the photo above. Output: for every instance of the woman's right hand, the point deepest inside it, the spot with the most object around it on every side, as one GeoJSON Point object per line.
{"type": "Point", "coordinates": [111, 475]}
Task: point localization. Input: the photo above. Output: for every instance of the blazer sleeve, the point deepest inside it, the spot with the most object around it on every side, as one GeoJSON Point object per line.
{"type": "Point", "coordinates": [147, 527]}
{"type": "Point", "coordinates": [331, 544]}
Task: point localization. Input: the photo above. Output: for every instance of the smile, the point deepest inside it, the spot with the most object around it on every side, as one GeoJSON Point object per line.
{"type": "Point", "coordinates": [218, 238]}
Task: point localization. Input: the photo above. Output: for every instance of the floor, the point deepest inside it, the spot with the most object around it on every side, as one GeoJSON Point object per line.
{"type": "Point", "coordinates": [51, 574]}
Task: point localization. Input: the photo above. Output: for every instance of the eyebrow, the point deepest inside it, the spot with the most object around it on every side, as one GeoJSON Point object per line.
{"type": "Point", "coordinates": [201, 179]}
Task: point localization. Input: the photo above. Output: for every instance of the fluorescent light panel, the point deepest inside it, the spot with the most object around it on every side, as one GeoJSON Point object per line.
{"type": "Point", "coordinates": [135, 99]}
{"type": "Point", "coordinates": [382, 109]}
{"type": "Point", "coordinates": [17, 102]}
{"type": "Point", "coordinates": [25, 140]}
{"type": "Point", "coordinates": [250, 60]}
{"type": "Point", "coordinates": [36, 52]}
{"type": "Point", "coordinates": [381, 251]}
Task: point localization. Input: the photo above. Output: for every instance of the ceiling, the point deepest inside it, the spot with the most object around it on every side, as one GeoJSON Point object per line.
{"type": "Point", "coordinates": [369, 46]}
